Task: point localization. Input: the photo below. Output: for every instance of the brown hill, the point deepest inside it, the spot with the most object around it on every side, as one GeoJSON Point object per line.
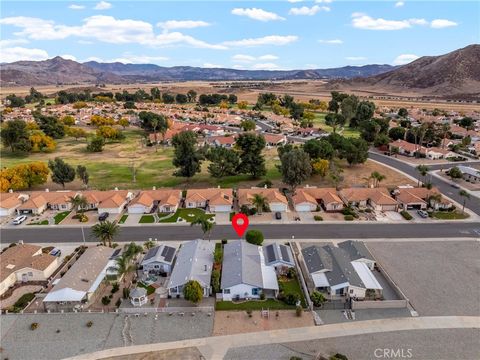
{"type": "Point", "coordinates": [52, 71]}
{"type": "Point", "coordinates": [451, 75]}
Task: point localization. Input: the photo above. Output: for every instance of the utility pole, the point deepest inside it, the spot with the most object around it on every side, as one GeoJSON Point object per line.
{"type": "Point", "coordinates": [83, 236]}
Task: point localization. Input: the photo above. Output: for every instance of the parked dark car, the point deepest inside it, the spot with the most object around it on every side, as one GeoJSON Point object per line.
{"type": "Point", "coordinates": [103, 216]}
{"type": "Point", "coordinates": [278, 215]}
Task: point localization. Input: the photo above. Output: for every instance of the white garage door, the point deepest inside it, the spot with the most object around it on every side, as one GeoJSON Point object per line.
{"type": "Point", "coordinates": [221, 208]}
{"type": "Point", "coordinates": [303, 207]}
{"type": "Point", "coordinates": [278, 207]}
{"type": "Point", "coordinates": [136, 209]}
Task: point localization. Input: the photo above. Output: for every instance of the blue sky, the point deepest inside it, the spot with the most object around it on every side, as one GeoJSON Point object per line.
{"type": "Point", "coordinates": [288, 34]}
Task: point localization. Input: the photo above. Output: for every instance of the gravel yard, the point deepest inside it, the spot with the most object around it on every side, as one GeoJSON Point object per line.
{"type": "Point", "coordinates": [439, 278]}
{"type": "Point", "coordinates": [461, 344]}
{"type": "Point", "coordinates": [108, 330]}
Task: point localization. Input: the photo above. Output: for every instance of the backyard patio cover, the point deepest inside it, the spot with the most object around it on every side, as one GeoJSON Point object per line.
{"type": "Point", "coordinates": [366, 275]}
{"type": "Point", "coordinates": [65, 294]}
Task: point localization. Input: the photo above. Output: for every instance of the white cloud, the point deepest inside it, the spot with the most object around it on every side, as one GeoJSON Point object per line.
{"type": "Point", "coordinates": [365, 22]}
{"type": "Point", "coordinates": [399, 4]}
{"type": "Point", "coordinates": [11, 54]}
{"type": "Point", "coordinates": [311, 66]}
{"type": "Point", "coordinates": [248, 58]}
{"type": "Point", "coordinates": [68, 57]}
{"type": "Point", "coordinates": [266, 40]}
{"type": "Point", "coordinates": [265, 66]}
{"type": "Point", "coordinates": [323, 1]}
{"type": "Point", "coordinates": [10, 42]}
{"type": "Point", "coordinates": [332, 41]}
{"type": "Point", "coordinates": [404, 59]}
{"type": "Point", "coordinates": [182, 24]}
{"type": "Point", "coordinates": [85, 42]}
{"type": "Point", "coordinates": [76, 7]}
{"type": "Point", "coordinates": [294, 1]}
{"type": "Point", "coordinates": [305, 10]}
{"type": "Point", "coordinates": [103, 28]}
{"type": "Point", "coordinates": [103, 5]}
{"type": "Point", "coordinates": [128, 58]}
{"type": "Point", "coordinates": [356, 58]}
{"type": "Point", "coordinates": [442, 23]}
{"type": "Point", "coordinates": [210, 65]}
{"type": "Point", "coordinates": [257, 14]}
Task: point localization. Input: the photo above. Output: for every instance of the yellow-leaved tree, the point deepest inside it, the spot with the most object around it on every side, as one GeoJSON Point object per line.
{"type": "Point", "coordinates": [41, 142]}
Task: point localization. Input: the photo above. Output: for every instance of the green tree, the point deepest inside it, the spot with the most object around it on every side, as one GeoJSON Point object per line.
{"type": "Point", "coordinates": [381, 140]}
{"type": "Point", "coordinates": [124, 266]}
{"type": "Point", "coordinates": [251, 159]}
{"type": "Point", "coordinates": [254, 237]}
{"type": "Point", "coordinates": [15, 136]}
{"type": "Point", "coordinates": [434, 199]}
{"type": "Point", "coordinates": [334, 120]}
{"type": "Point", "coordinates": [15, 101]}
{"type": "Point", "coordinates": [348, 107]}
{"type": "Point", "coordinates": [96, 144]}
{"type": "Point", "coordinates": [455, 173]}
{"type": "Point", "coordinates": [402, 112]}
{"type": "Point", "coordinates": [224, 162]}
{"type": "Point", "coordinates": [105, 231]}
{"type": "Point", "coordinates": [397, 133]}
{"type": "Point", "coordinates": [355, 151]}
{"type": "Point", "coordinates": [192, 95]}
{"type": "Point", "coordinates": [259, 202]}
{"type": "Point", "coordinates": [50, 125]}
{"type": "Point", "coordinates": [247, 125]}
{"type": "Point", "coordinates": [62, 172]}
{"type": "Point", "coordinates": [317, 298]}
{"type": "Point", "coordinates": [186, 157]}
{"type": "Point", "coordinates": [377, 178]}
{"type": "Point", "coordinates": [319, 149]}
{"type": "Point", "coordinates": [423, 171]}
{"type": "Point", "coordinates": [193, 291]}
{"type": "Point", "coordinates": [79, 203]}
{"type": "Point", "coordinates": [467, 122]}
{"type": "Point", "coordinates": [132, 250]}
{"type": "Point", "coordinates": [465, 195]}
{"type": "Point", "coordinates": [181, 99]}
{"type": "Point", "coordinates": [295, 168]}
{"type": "Point", "coordinates": [82, 174]}
{"type": "Point", "coordinates": [205, 224]}
{"type": "Point", "coordinates": [216, 281]}
{"type": "Point", "coordinates": [365, 111]}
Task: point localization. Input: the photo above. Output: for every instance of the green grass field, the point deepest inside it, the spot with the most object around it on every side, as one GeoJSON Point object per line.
{"type": "Point", "coordinates": [147, 219]}
{"type": "Point", "coordinates": [188, 215]}
{"type": "Point", "coordinates": [270, 304]}
{"type": "Point", "coordinates": [319, 122]}
{"type": "Point", "coordinates": [450, 215]}
{"type": "Point", "coordinates": [122, 219]}
{"type": "Point", "coordinates": [292, 286]}
{"type": "Point", "coordinates": [60, 216]}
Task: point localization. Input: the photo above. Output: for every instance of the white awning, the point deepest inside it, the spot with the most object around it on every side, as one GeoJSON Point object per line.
{"type": "Point", "coordinates": [64, 295]}
{"type": "Point", "coordinates": [366, 275]}
{"type": "Point", "coordinates": [320, 280]}
{"type": "Point", "coordinates": [269, 277]}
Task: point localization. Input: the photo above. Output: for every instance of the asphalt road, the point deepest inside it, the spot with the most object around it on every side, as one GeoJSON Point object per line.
{"type": "Point", "coordinates": [284, 231]}
{"type": "Point", "coordinates": [444, 186]}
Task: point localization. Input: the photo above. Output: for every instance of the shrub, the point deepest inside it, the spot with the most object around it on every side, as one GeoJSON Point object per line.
{"type": "Point", "coordinates": [126, 293]}
{"type": "Point", "coordinates": [291, 273]}
{"type": "Point", "coordinates": [118, 303]}
{"type": "Point", "coordinates": [291, 298]}
{"type": "Point", "coordinates": [193, 291]}
{"type": "Point", "coordinates": [115, 288]}
{"type": "Point", "coordinates": [105, 300]}
{"type": "Point", "coordinates": [249, 313]}
{"type": "Point", "coordinates": [33, 326]}
{"type": "Point", "coordinates": [216, 281]}
{"type": "Point", "coordinates": [21, 303]}
{"type": "Point", "coordinates": [338, 356]}
{"type": "Point", "coordinates": [262, 296]}
{"type": "Point", "coordinates": [298, 311]}
{"type": "Point", "coordinates": [348, 217]}
{"type": "Point", "coordinates": [368, 210]}
{"type": "Point", "coordinates": [318, 218]}
{"type": "Point", "coordinates": [267, 183]}
{"type": "Point", "coordinates": [254, 237]}
{"type": "Point", "coordinates": [317, 298]}
{"type": "Point", "coordinates": [89, 324]}
{"type": "Point", "coordinates": [406, 215]}
{"type": "Point", "coordinates": [224, 241]}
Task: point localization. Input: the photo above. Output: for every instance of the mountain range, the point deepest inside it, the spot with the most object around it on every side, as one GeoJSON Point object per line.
{"type": "Point", "coordinates": [454, 75]}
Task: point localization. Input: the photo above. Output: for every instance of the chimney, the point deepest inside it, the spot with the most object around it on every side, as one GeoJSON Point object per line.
{"type": "Point", "coordinates": [205, 267]}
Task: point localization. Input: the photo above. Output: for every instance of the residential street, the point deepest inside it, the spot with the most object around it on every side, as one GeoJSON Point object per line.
{"type": "Point", "coordinates": [145, 232]}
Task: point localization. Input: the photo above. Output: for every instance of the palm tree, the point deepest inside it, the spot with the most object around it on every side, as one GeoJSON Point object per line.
{"type": "Point", "coordinates": [423, 170]}
{"type": "Point", "coordinates": [79, 203]}
{"type": "Point", "coordinates": [377, 178]}
{"type": "Point", "coordinates": [434, 198]}
{"type": "Point", "coordinates": [132, 250]}
{"type": "Point", "coordinates": [465, 195]}
{"type": "Point", "coordinates": [259, 202]}
{"type": "Point", "coordinates": [124, 266]}
{"type": "Point", "coordinates": [206, 225]}
{"type": "Point", "coordinates": [148, 244]}
{"type": "Point", "coordinates": [105, 231]}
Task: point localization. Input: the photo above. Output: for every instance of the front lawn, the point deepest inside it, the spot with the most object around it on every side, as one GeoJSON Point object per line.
{"type": "Point", "coordinates": [60, 216]}
{"type": "Point", "coordinates": [271, 304]}
{"type": "Point", "coordinates": [147, 219]}
{"type": "Point", "coordinates": [292, 286]}
{"type": "Point", "coordinates": [150, 289]}
{"type": "Point", "coordinates": [188, 215]}
{"type": "Point", "coordinates": [449, 215]}
{"type": "Point", "coordinates": [43, 222]}
{"type": "Point", "coordinates": [122, 219]}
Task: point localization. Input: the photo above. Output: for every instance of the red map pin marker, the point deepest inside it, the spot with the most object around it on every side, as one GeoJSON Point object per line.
{"type": "Point", "coordinates": [240, 223]}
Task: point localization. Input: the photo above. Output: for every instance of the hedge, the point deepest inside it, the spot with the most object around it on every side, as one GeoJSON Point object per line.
{"type": "Point", "coordinates": [406, 215]}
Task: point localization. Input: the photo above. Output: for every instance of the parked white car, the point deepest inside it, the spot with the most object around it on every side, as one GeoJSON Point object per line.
{"type": "Point", "coordinates": [19, 219]}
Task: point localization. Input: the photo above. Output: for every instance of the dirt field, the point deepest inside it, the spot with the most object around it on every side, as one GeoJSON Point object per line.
{"type": "Point", "coordinates": [300, 89]}
{"type": "Point", "coordinates": [236, 322]}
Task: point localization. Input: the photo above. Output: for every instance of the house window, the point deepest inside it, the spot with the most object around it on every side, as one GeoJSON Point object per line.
{"type": "Point", "coordinates": [351, 291]}
{"type": "Point", "coordinates": [226, 291]}
{"type": "Point", "coordinates": [30, 273]}
{"type": "Point", "coordinates": [156, 267]}
{"type": "Point", "coordinates": [255, 291]}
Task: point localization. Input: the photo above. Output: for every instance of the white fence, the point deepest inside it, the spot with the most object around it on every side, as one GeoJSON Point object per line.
{"type": "Point", "coordinates": [193, 309]}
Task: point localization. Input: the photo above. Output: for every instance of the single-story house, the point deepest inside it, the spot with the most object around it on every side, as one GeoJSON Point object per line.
{"type": "Point", "coordinates": [343, 271]}
{"type": "Point", "coordinates": [82, 283]}
{"type": "Point", "coordinates": [470, 174]}
{"type": "Point", "coordinates": [279, 256]}
{"type": "Point", "coordinates": [377, 198]}
{"type": "Point", "coordinates": [213, 200]}
{"type": "Point", "coordinates": [221, 141]}
{"type": "Point", "coordinates": [111, 201]}
{"type": "Point", "coordinates": [275, 199]}
{"type": "Point", "coordinates": [159, 259]}
{"type": "Point", "coordinates": [245, 274]}
{"type": "Point", "coordinates": [10, 201]}
{"type": "Point", "coordinates": [312, 198]}
{"type": "Point", "coordinates": [23, 263]}
{"type": "Point", "coordinates": [161, 200]}
{"type": "Point", "coordinates": [405, 148]}
{"type": "Point", "coordinates": [274, 139]}
{"type": "Point", "coordinates": [35, 205]}
{"type": "Point", "coordinates": [194, 262]}
{"type": "Point", "coordinates": [435, 153]}
{"type": "Point", "coordinates": [418, 198]}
